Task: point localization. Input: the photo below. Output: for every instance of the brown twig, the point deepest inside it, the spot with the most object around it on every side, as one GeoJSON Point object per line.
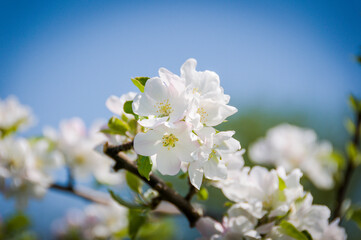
{"type": "Point", "coordinates": [168, 194]}
{"type": "Point", "coordinates": [84, 194]}
{"type": "Point", "coordinates": [120, 148]}
{"type": "Point", "coordinates": [192, 191]}
{"type": "Point", "coordinates": [343, 186]}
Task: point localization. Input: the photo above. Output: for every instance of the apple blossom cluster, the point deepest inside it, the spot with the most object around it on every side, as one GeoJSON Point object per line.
{"type": "Point", "coordinates": [77, 144]}
{"type": "Point", "coordinates": [178, 115]}
{"type": "Point", "coordinates": [13, 116]}
{"type": "Point", "coordinates": [27, 166]}
{"type": "Point", "coordinates": [269, 204]}
{"type": "Point", "coordinates": [294, 147]}
{"type": "Point", "coordinates": [96, 221]}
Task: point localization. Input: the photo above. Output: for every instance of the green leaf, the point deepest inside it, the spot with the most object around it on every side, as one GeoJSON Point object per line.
{"type": "Point", "coordinates": [160, 229]}
{"type": "Point", "coordinates": [338, 159]}
{"type": "Point", "coordinates": [281, 184]}
{"type": "Point", "coordinates": [124, 203]}
{"type": "Point", "coordinates": [350, 126]}
{"type": "Point", "coordinates": [128, 107]}
{"type": "Point", "coordinates": [18, 222]}
{"type": "Point", "coordinates": [110, 131]}
{"type": "Point", "coordinates": [351, 150]}
{"type": "Point", "coordinates": [307, 234]}
{"type": "Point", "coordinates": [228, 204]}
{"type": "Point", "coordinates": [136, 219]}
{"type": "Point", "coordinates": [354, 214]}
{"type": "Point", "coordinates": [355, 105]}
{"type": "Point", "coordinates": [183, 176]}
{"type": "Point", "coordinates": [202, 194]}
{"type": "Point", "coordinates": [118, 125]}
{"type": "Point", "coordinates": [139, 82]}
{"type": "Point", "coordinates": [133, 182]}
{"type": "Point", "coordinates": [290, 230]}
{"type": "Point", "coordinates": [144, 166]}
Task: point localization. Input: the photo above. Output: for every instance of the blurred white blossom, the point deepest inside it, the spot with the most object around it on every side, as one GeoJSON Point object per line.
{"type": "Point", "coordinates": [78, 146]}
{"type": "Point", "coordinates": [263, 200]}
{"type": "Point", "coordinates": [294, 147]}
{"type": "Point", "coordinates": [14, 116]}
{"type": "Point", "coordinates": [26, 168]}
{"type": "Point", "coordinates": [94, 222]}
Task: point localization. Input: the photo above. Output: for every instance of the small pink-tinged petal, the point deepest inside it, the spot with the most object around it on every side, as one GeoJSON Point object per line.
{"type": "Point", "coordinates": [195, 172]}
{"type": "Point", "coordinates": [214, 170]}
{"type": "Point", "coordinates": [152, 122]}
{"type": "Point", "coordinates": [216, 113]}
{"type": "Point", "coordinates": [147, 144]}
{"type": "Point", "coordinates": [143, 105]}
{"type": "Point", "coordinates": [167, 162]}
{"type": "Point", "coordinates": [188, 69]}
{"type": "Point", "coordinates": [157, 89]}
{"type": "Point", "coordinates": [209, 227]}
{"type": "Point", "coordinates": [173, 79]}
{"type": "Point", "coordinates": [115, 105]}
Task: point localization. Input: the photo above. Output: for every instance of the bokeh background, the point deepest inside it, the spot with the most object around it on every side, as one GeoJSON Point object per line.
{"type": "Point", "coordinates": [281, 61]}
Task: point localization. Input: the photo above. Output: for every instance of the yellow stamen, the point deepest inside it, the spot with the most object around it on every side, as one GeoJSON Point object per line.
{"type": "Point", "coordinates": [203, 114]}
{"type": "Point", "coordinates": [163, 108]}
{"type": "Point", "coordinates": [169, 141]}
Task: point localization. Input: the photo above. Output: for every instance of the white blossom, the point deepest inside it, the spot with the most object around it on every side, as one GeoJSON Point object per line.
{"type": "Point", "coordinates": [78, 146]}
{"type": "Point", "coordinates": [13, 115]}
{"type": "Point", "coordinates": [263, 199]}
{"type": "Point", "coordinates": [26, 168]}
{"type": "Point", "coordinates": [196, 101]}
{"type": "Point", "coordinates": [170, 145]}
{"type": "Point", "coordinates": [204, 85]}
{"type": "Point", "coordinates": [160, 102]}
{"type": "Point", "coordinates": [116, 104]}
{"type": "Point", "coordinates": [293, 147]}
{"type": "Point", "coordinates": [210, 156]}
{"type": "Point", "coordinates": [94, 222]}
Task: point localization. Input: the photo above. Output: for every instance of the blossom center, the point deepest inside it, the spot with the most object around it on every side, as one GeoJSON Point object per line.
{"type": "Point", "coordinates": [213, 155]}
{"type": "Point", "coordinates": [80, 160]}
{"type": "Point", "coordinates": [163, 108]}
{"type": "Point", "coordinates": [169, 141]}
{"type": "Point", "coordinates": [203, 114]}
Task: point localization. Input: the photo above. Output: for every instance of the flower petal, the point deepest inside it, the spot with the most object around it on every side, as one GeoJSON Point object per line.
{"type": "Point", "coordinates": [115, 105]}
{"type": "Point", "coordinates": [195, 174]}
{"type": "Point", "coordinates": [147, 144]}
{"type": "Point", "coordinates": [167, 162]}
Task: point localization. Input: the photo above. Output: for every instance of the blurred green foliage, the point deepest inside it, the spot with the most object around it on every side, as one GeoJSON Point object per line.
{"type": "Point", "coordinates": [16, 227]}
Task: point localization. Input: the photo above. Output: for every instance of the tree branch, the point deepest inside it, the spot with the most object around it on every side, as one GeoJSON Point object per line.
{"type": "Point", "coordinates": [120, 148]}
{"type": "Point", "coordinates": [191, 192]}
{"type": "Point", "coordinates": [88, 194]}
{"type": "Point", "coordinates": [343, 186]}
{"type": "Point", "coordinates": [166, 193]}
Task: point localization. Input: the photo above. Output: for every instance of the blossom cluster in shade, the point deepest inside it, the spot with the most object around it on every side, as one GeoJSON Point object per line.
{"type": "Point", "coordinates": [179, 114]}
{"type": "Point", "coordinates": [263, 202]}
{"type": "Point", "coordinates": [96, 221]}
{"type": "Point", "coordinates": [294, 147]}
{"type": "Point", "coordinates": [28, 165]}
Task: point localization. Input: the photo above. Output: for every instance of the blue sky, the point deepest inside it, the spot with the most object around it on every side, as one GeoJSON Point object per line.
{"type": "Point", "coordinates": [64, 58]}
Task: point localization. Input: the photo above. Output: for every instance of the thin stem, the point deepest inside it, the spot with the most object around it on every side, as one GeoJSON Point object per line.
{"type": "Point", "coordinates": [120, 148]}
{"type": "Point", "coordinates": [343, 186]}
{"type": "Point", "coordinates": [192, 191]}
{"type": "Point", "coordinates": [85, 194]}
{"type": "Point", "coordinates": [70, 178]}
{"type": "Point", "coordinates": [166, 193]}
